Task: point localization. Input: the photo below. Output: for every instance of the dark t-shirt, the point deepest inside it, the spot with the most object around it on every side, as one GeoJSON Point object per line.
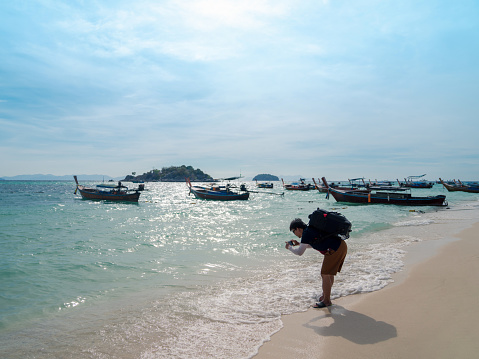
{"type": "Point", "coordinates": [313, 237]}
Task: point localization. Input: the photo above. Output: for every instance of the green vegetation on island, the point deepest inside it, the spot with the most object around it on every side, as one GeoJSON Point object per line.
{"type": "Point", "coordinates": [265, 177]}
{"type": "Point", "coordinates": [171, 174]}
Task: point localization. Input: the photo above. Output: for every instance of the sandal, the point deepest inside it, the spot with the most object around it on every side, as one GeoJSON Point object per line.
{"type": "Point", "coordinates": [320, 305]}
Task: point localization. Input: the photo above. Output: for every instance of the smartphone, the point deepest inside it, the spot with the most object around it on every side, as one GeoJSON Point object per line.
{"type": "Point", "coordinates": [291, 243]}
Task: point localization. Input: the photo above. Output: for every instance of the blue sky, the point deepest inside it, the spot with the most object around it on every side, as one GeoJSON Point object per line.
{"type": "Point", "coordinates": [342, 89]}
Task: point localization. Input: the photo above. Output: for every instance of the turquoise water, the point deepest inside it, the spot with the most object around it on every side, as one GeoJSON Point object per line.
{"type": "Point", "coordinates": [177, 277]}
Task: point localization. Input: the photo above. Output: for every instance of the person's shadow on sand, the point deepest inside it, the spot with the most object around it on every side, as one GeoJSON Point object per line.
{"type": "Point", "coordinates": [353, 326]}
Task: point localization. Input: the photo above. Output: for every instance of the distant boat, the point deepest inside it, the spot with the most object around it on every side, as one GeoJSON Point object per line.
{"type": "Point", "coordinates": [108, 192]}
{"type": "Point", "coordinates": [321, 188]}
{"type": "Point", "coordinates": [383, 183]}
{"type": "Point", "coordinates": [218, 193]}
{"type": "Point", "coordinates": [385, 186]}
{"type": "Point", "coordinates": [353, 184]}
{"type": "Point", "coordinates": [414, 182]}
{"type": "Point", "coordinates": [460, 187]}
{"type": "Point", "coordinates": [368, 196]}
{"type": "Point", "coordinates": [264, 185]}
{"type": "Point", "coordinates": [298, 186]}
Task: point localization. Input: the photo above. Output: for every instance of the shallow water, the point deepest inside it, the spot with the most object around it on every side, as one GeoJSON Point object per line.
{"type": "Point", "coordinates": [177, 277]}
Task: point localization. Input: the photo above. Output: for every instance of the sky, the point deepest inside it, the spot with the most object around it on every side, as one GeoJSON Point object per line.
{"type": "Point", "coordinates": [367, 88]}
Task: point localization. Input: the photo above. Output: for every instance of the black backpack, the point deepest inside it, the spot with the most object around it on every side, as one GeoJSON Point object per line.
{"type": "Point", "coordinates": [330, 223]}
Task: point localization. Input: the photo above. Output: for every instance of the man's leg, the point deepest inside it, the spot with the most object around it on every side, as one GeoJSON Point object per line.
{"type": "Point", "coordinates": [328, 281]}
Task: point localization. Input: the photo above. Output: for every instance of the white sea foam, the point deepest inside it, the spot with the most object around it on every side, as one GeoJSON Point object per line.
{"type": "Point", "coordinates": [414, 222]}
{"type": "Point", "coordinates": [233, 318]}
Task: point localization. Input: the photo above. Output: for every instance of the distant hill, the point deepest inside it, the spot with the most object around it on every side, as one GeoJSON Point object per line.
{"type": "Point", "coordinates": [50, 177]}
{"type": "Point", "coordinates": [265, 177]}
{"type": "Point", "coordinates": [171, 174]}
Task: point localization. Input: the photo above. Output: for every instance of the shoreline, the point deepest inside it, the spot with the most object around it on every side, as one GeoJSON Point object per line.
{"type": "Point", "coordinates": [428, 312]}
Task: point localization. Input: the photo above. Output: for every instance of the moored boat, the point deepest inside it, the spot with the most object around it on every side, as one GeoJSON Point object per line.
{"type": "Point", "coordinates": [108, 192]}
{"type": "Point", "coordinates": [384, 197]}
{"type": "Point", "coordinates": [218, 193]}
{"type": "Point", "coordinates": [298, 186]}
{"type": "Point", "coordinates": [415, 182]}
{"type": "Point", "coordinates": [460, 187]}
{"type": "Point", "coordinates": [352, 185]}
{"type": "Point", "coordinates": [264, 184]}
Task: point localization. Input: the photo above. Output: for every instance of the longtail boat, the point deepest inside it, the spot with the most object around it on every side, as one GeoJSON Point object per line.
{"type": "Point", "coordinates": [321, 188]}
{"type": "Point", "coordinates": [383, 197]}
{"type": "Point", "coordinates": [414, 182]}
{"type": "Point", "coordinates": [264, 184]}
{"type": "Point", "coordinates": [218, 193]}
{"type": "Point", "coordinates": [353, 184]}
{"type": "Point", "coordinates": [108, 192]}
{"type": "Point", "coordinates": [460, 187]}
{"type": "Point", "coordinates": [298, 186]}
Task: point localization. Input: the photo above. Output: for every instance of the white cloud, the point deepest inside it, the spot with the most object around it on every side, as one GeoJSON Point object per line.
{"type": "Point", "coordinates": [213, 15]}
{"type": "Point", "coordinates": [204, 30]}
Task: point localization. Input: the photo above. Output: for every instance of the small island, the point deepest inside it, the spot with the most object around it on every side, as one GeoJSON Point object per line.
{"type": "Point", "coordinates": [171, 174]}
{"type": "Point", "coordinates": [265, 177]}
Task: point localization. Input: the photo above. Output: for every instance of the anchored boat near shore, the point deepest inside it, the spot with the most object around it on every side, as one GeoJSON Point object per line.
{"type": "Point", "coordinates": [264, 184]}
{"type": "Point", "coordinates": [298, 186]}
{"type": "Point", "coordinates": [108, 192]}
{"type": "Point", "coordinates": [218, 193]}
{"type": "Point", "coordinates": [416, 182]}
{"type": "Point", "coordinates": [460, 187]}
{"type": "Point", "coordinates": [368, 196]}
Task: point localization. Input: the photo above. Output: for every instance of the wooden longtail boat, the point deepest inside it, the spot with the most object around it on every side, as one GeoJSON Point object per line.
{"type": "Point", "coordinates": [319, 187]}
{"type": "Point", "coordinates": [352, 185]}
{"type": "Point", "coordinates": [217, 193]}
{"type": "Point", "coordinates": [298, 186]}
{"type": "Point", "coordinates": [108, 192]}
{"type": "Point", "coordinates": [460, 187]}
{"type": "Point", "coordinates": [414, 182]}
{"type": "Point", "coordinates": [323, 189]}
{"type": "Point", "coordinates": [264, 184]}
{"type": "Point", "coordinates": [380, 197]}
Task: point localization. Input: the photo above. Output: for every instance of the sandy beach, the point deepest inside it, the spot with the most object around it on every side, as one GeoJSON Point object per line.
{"type": "Point", "coordinates": [430, 312]}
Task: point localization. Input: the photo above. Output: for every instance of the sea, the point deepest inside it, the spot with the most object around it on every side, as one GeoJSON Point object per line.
{"type": "Point", "coordinates": [177, 277]}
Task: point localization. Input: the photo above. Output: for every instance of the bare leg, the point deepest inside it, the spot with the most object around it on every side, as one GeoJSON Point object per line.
{"type": "Point", "coordinates": [328, 281]}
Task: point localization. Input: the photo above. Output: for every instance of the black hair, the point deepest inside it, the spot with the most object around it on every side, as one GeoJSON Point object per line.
{"type": "Point", "coordinates": [297, 223]}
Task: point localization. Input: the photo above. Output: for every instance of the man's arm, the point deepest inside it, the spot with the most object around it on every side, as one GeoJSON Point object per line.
{"type": "Point", "coordinates": [299, 250]}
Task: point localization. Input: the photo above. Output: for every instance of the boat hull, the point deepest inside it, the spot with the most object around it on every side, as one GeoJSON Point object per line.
{"type": "Point", "coordinates": [220, 196]}
{"type": "Point", "coordinates": [300, 186]}
{"type": "Point", "coordinates": [294, 188]}
{"type": "Point", "coordinates": [264, 185]}
{"type": "Point", "coordinates": [452, 188]}
{"type": "Point", "coordinates": [467, 189]}
{"type": "Point", "coordinates": [387, 198]}
{"type": "Point", "coordinates": [418, 185]}
{"type": "Point", "coordinates": [93, 194]}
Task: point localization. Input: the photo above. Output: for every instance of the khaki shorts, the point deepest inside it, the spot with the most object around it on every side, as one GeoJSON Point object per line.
{"type": "Point", "coordinates": [333, 261]}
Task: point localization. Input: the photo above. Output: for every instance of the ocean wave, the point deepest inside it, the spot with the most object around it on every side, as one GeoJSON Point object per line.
{"type": "Point", "coordinates": [414, 222]}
